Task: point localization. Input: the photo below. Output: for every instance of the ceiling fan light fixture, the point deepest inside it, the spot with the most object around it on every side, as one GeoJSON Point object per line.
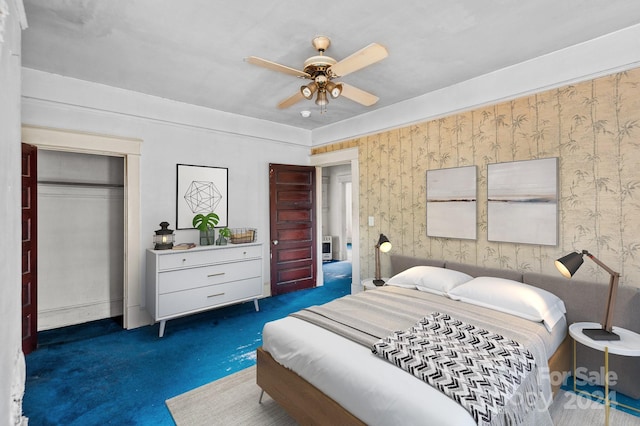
{"type": "Point", "coordinates": [322, 98]}
{"type": "Point", "coordinates": [321, 69]}
{"type": "Point", "coordinates": [334, 89]}
{"type": "Point", "coordinates": [308, 90]}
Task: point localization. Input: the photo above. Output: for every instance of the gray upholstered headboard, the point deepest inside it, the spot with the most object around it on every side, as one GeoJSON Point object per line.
{"type": "Point", "coordinates": [400, 263]}
{"type": "Point", "coordinates": [585, 301]}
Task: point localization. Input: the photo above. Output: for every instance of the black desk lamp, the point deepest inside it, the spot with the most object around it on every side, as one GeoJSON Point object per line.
{"type": "Point", "coordinates": [568, 265]}
{"type": "Point", "coordinates": [384, 246]}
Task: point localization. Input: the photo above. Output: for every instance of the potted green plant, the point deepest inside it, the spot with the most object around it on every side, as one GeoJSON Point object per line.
{"type": "Point", "coordinates": [223, 236]}
{"type": "Point", "coordinates": [206, 224]}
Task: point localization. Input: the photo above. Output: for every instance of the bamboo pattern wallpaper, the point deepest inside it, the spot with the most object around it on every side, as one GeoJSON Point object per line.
{"type": "Point", "coordinates": [592, 127]}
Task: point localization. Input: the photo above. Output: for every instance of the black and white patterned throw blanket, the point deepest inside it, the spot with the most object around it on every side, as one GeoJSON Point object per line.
{"type": "Point", "coordinates": [492, 377]}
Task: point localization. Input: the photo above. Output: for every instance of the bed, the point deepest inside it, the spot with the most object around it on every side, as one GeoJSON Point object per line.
{"type": "Point", "coordinates": [327, 374]}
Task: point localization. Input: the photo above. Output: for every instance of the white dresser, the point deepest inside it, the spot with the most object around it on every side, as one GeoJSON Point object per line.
{"type": "Point", "coordinates": [183, 282]}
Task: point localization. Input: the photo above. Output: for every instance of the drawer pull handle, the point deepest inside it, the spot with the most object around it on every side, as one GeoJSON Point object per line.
{"type": "Point", "coordinates": [215, 295]}
{"type": "Point", "coordinates": [215, 275]}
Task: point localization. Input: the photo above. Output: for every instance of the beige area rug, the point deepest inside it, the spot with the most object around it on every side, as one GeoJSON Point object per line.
{"type": "Point", "coordinates": [233, 400]}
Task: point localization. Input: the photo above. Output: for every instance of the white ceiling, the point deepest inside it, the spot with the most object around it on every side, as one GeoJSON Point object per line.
{"type": "Point", "coordinates": [192, 50]}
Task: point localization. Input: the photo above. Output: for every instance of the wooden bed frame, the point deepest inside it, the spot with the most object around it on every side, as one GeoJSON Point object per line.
{"type": "Point", "coordinates": [303, 401]}
{"type": "Point", "coordinates": [310, 406]}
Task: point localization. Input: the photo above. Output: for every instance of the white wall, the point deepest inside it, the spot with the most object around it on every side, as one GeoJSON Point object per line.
{"type": "Point", "coordinates": [172, 133]}
{"type": "Point", "coordinates": [12, 369]}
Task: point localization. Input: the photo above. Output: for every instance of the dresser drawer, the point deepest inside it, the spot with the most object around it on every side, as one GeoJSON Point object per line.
{"type": "Point", "coordinates": [208, 297]}
{"type": "Point", "coordinates": [199, 257]}
{"type": "Point", "coordinates": [185, 279]}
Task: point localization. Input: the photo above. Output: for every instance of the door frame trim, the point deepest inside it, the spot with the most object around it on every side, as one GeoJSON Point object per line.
{"type": "Point", "coordinates": [128, 148]}
{"type": "Point", "coordinates": [334, 158]}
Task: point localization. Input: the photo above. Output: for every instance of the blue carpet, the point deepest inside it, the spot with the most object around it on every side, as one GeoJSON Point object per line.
{"type": "Point", "coordinates": [98, 373]}
{"type": "Point", "coordinates": [619, 401]}
{"type": "Point", "coordinates": [336, 270]}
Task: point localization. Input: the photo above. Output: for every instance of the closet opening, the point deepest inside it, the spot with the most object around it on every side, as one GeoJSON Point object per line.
{"type": "Point", "coordinates": [81, 238]}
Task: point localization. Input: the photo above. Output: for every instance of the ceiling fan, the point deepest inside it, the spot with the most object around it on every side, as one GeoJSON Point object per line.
{"type": "Point", "coordinates": [321, 70]}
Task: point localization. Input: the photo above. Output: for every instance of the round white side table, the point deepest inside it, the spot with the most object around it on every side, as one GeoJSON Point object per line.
{"type": "Point", "coordinates": [628, 345]}
{"type": "Point", "coordinates": [367, 283]}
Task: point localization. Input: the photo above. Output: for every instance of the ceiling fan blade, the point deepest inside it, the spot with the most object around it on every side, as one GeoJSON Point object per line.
{"type": "Point", "coordinates": [358, 60]}
{"type": "Point", "coordinates": [358, 95]}
{"type": "Point", "coordinates": [276, 67]}
{"type": "Point", "coordinates": [295, 98]}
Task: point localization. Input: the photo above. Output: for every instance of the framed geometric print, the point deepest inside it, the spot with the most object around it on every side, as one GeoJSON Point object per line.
{"type": "Point", "coordinates": [201, 189]}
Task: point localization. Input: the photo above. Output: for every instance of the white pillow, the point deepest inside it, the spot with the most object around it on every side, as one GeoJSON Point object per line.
{"type": "Point", "coordinates": [431, 279]}
{"type": "Point", "coordinates": [513, 298]}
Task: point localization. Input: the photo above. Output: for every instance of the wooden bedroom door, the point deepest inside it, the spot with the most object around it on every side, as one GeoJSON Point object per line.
{"type": "Point", "coordinates": [292, 207]}
{"type": "Point", "coordinates": [29, 248]}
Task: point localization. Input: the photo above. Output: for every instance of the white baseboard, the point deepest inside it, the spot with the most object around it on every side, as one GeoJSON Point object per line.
{"type": "Point", "coordinates": [78, 314]}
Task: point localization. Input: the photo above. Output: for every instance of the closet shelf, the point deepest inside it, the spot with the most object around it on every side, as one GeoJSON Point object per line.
{"type": "Point", "coordinates": [81, 184]}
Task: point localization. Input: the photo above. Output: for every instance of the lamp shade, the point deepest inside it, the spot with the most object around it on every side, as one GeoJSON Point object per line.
{"type": "Point", "coordinates": [322, 98]}
{"type": "Point", "coordinates": [569, 264]}
{"type": "Point", "coordinates": [383, 244]}
{"type": "Point", "coordinates": [334, 89]}
{"type": "Point", "coordinates": [308, 90]}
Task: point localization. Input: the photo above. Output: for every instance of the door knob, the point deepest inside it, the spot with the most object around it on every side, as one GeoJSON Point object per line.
{"type": "Point", "coordinates": [274, 242]}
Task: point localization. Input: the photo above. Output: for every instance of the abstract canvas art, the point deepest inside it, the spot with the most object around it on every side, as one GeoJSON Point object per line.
{"type": "Point", "coordinates": [451, 202]}
{"type": "Point", "coordinates": [201, 189]}
{"type": "Point", "coordinates": [523, 201]}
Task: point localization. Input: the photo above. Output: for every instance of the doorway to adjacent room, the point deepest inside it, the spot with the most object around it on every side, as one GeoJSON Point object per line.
{"type": "Point", "coordinates": [338, 219]}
